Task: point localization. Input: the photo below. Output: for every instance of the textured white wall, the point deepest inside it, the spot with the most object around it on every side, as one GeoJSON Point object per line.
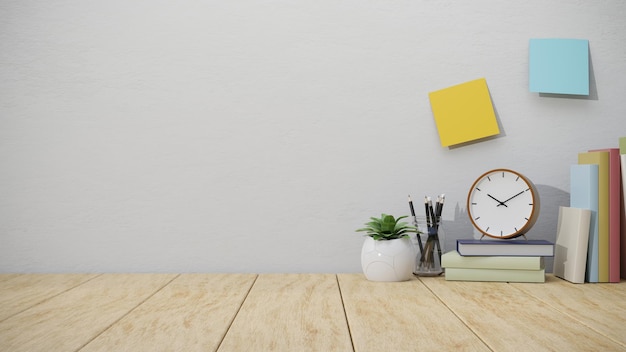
{"type": "Point", "coordinates": [256, 136]}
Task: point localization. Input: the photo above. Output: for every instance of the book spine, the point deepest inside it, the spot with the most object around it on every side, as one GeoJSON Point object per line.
{"type": "Point", "coordinates": [614, 211]}
{"type": "Point", "coordinates": [572, 237]}
{"type": "Point", "coordinates": [603, 219]}
{"type": "Point", "coordinates": [615, 199]}
{"type": "Point", "coordinates": [510, 248]}
{"type": "Point", "coordinates": [623, 216]}
{"type": "Point", "coordinates": [622, 151]}
{"type": "Point", "coordinates": [501, 275]}
{"type": "Point", "coordinates": [584, 194]}
{"type": "Point", "coordinates": [602, 160]}
{"type": "Point", "coordinates": [453, 259]}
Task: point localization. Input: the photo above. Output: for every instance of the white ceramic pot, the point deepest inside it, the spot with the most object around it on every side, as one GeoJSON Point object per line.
{"type": "Point", "coordinates": [392, 260]}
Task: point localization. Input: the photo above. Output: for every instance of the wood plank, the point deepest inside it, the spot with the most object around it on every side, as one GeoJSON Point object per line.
{"type": "Point", "coordinates": [4, 277]}
{"type": "Point", "coordinates": [401, 316]}
{"type": "Point", "coordinates": [601, 307]}
{"type": "Point", "coordinates": [290, 312]}
{"type": "Point", "coordinates": [192, 313]}
{"type": "Point", "coordinates": [507, 319]}
{"type": "Point", "coordinates": [25, 291]}
{"type": "Point", "coordinates": [68, 321]}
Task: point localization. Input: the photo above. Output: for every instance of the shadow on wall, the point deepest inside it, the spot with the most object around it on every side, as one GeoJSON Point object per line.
{"type": "Point", "coordinates": [545, 227]}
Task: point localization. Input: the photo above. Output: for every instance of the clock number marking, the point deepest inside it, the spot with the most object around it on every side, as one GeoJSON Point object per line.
{"type": "Point", "coordinates": [488, 178]}
{"type": "Point", "coordinates": [477, 218]}
{"type": "Point", "coordinates": [487, 229]}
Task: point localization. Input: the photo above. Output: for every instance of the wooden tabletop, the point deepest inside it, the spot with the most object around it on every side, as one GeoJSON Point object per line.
{"type": "Point", "coordinates": [304, 312]}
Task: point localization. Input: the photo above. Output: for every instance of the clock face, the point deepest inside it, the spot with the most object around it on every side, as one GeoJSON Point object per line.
{"type": "Point", "coordinates": [503, 204]}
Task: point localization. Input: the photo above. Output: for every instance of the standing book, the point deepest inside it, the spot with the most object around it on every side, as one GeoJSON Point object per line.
{"type": "Point", "coordinates": [453, 259]}
{"type": "Point", "coordinates": [572, 236]}
{"type": "Point", "coordinates": [533, 248]}
{"type": "Point", "coordinates": [602, 160]}
{"type": "Point", "coordinates": [615, 212]}
{"type": "Point", "coordinates": [584, 195]}
{"type": "Point", "coordinates": [622, 151]}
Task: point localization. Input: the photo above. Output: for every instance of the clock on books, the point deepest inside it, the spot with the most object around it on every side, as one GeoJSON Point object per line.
{"type": "Point", "coordinates": [503, 204]}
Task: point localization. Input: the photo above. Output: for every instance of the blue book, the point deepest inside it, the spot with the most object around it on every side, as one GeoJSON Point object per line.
{"type": "Point", "coordinates": [495, 247]}
{"type": "Point", "coordinates": [584, 194]}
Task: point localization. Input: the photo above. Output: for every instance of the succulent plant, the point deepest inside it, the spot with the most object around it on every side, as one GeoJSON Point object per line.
{"type": "Point", "coordinates": [387, 228]}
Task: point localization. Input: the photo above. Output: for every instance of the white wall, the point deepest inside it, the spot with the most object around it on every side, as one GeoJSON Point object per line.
{"type": "Point", "coordinates": [256, 136]}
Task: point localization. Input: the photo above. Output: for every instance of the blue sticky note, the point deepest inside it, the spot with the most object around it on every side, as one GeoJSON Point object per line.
{"type": "Point", "coordinates": [559, 66]}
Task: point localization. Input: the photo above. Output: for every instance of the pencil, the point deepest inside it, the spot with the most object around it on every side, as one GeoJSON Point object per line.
{"type": "Point", "coordinates": [419, 239]}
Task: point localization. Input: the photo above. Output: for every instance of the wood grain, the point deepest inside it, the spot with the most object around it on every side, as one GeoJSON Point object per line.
{"type": "Point", "coordinates": [304, 312]}
{"type": "Point", "coordinates": [290, 312]}
{"type": "Point", "coordinates": [507, 319]}
{"type": "Point", "coordinates": [68, 321]}
{"type": "Point", "coordinates": [401, 316]}
{"type": "Point", "coordinates": [24, 291]}
{"type": "Point", "coordinates": [4, 277]}
{"type": "Point", "coordinates": [601, 307]}
{"type": "Point", "coordinates": [192, 313]}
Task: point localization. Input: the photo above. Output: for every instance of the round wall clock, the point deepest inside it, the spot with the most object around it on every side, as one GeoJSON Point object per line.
{"type": "Point", "coordinates": [503, 204]}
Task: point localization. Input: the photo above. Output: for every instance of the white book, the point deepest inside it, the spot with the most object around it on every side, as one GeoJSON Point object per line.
{"type": "Point", "coordinates": [570, 249]}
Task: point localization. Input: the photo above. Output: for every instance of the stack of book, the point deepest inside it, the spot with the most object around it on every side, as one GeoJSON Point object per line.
{"type": "Point", "coordinates": [497, 260]}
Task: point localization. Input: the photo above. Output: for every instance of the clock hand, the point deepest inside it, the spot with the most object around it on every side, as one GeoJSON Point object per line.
{"type": "Point", "coordinates": [500, 203]}
{"type": "Point", "coordinates": [510, 198]}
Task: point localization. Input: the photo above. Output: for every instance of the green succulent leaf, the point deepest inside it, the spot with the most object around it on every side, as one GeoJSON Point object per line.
{"type": "Point", "coordinates": [387, 228]}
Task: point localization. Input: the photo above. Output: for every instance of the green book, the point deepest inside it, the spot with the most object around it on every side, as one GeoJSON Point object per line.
{"type": "Point", "coordinates": [502, 275]}
{"type": "Point", "coordinates": [453, 259]}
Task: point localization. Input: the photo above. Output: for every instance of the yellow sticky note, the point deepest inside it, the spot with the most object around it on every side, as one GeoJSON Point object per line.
{"type": "Point", "coordinates": [464, 112]}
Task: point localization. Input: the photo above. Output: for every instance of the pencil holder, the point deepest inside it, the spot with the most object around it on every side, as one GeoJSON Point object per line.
{"type": "Point", "coordinates": [430, 242]}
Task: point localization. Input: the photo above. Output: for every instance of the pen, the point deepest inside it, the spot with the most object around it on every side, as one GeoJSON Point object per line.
{"type": "Point", "coordinates": [430, 260]}
{"type": "Point", "coordinates": [427, 212]}
{"type": "Point", "coordinates": [439, 209]}
{"type": "Point", "coordinates": [419, 240]}
{"type": "Point", "coordinates": [433, 221]}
